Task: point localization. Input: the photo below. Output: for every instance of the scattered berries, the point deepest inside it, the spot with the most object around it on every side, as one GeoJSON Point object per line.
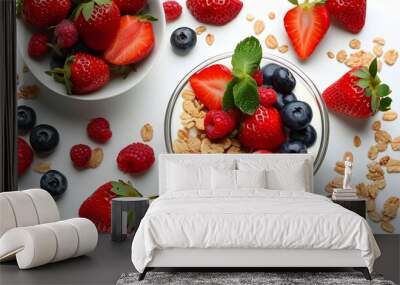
{"type": "Point", "coordinates": [135, 158]}
{"type": "Point", "coordinates": [258, 77]}
{"type": "Point", "coordinates": [80, 155]}
{"type": "Point", "coordinates": [218, 124]}
{"type": "Point", "coordinates": [99, 130]}
{"type": "Point", "coordinates": [37, 46]}
{"type": "Point", "coordinates": [54, 182]}
{"type": "Point", "coordinates": [26, 118]}
{"type": "Point", "coordinates": [25, 156]}
{"type": "Point", "coordinates": [267, 96]}
{"type": "Point", "coordinates": [66, 34]}
{"type": "Point", "coordinates": [44, 139]}
{"type": "Point", "coordinates": [183, 38]}
{"type": "Point", "coordinates": [172, 10]}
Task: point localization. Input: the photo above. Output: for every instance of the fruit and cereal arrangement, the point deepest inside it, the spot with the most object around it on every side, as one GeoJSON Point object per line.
{"type": "Point", "coordinates": [89, 42]}
{"type": "Point", "coordinates": [246, 109]}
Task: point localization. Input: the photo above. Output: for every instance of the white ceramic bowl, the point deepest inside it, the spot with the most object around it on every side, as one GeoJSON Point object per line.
{"type": "Point", "coordinates": [116, 86]}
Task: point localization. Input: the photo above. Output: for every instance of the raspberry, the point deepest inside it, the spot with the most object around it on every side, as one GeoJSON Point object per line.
{"type": "Point", "coordinates": [66, 34]}
{"type": "Point", "coordinates": [267, 96]}
{"type": "Point", "coordinates": [80, 155]}
{"type": "Point", "coordinates": [99, 130]}
{"type": "Point", "coordinates": [258, 77]}
{"type": "Point", "coordinates": [172, 10]}
{"type": "Point", "coordinates": [37, 46]}
{"type": "Point", "coordinates": [135, 158]}
{"type": "Point", "coordinates": [25, 156]}
{"type": "Point", "coordinates": [218, 124]}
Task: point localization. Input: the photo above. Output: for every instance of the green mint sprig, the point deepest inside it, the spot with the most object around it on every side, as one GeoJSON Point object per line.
{"type": "Point", "coordinates": [241, 91]}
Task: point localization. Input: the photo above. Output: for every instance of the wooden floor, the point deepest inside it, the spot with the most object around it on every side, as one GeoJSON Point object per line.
{"type": "Point", "coordinates": [110, 260]}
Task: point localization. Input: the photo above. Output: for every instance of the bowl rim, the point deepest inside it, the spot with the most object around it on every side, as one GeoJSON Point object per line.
{"type": "Point", "coordinates": [92, 96]}
{"type": "Point", "coordinates": [267, 56]}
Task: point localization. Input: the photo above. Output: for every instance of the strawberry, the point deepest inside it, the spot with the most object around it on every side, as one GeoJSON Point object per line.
{"type": "Point", "coordinates": [25, 156]}
{"type": "Point", "coordinates": [209, 85]}
{"type": "Point", "coordinates": [83, 73]}
{"type": "Point", "coordinates": [172, 10]}
{"type": "Point", "coordinates": [306, 25]}
{"type": "Point", "coordinates": [215, 12]}
{"type": "Point", "coordinates": [97, 23]}
{"type": "Point", "coordinates": [263, 130]}
{"type": "Point", "coordinates": [97, 207]}
{"type": "Point", "coordinates": [130, 6]}
{"type": "Point", "coordinates": [350, 14]}
{"type": "Point", "coordinates": [37, 46]}
{"type": "Point", "coordinates": [43, 14]}
{"type": "Point", "coordinates": [134, 41]}
{"type": "Point", "coordinates": [218, 124]}
{"type": "Point", "coordinates": [359, 93]}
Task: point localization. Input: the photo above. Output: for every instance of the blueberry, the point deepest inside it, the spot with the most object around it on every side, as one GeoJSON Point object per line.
{"type": "Point", "coordinates": [44, 138]}
{"type": "Point", "coordinates": [26, 118]}
{"type": "Point", "coordinates": [268, 71]}
{"type": "Point", "coordinates": [183, 38]}
{"type": "Point", "coordinates": [296, 115]}
{"type": "Point", "coordinates": [54, 182]}
{"type": "Point", "coordinates": [308, 135]}
{"type": "Point", "coordinates": [293, 147]}
{"type": "Point", "coordinates": [289, 98]}
{"type": "Point", "coordinates": [283, 80]}
{"type": "Point", "coordinates": [280, 102]}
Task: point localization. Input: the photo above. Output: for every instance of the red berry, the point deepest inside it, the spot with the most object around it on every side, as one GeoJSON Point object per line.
{"type": "Point", "coordinates": [235, 114]}
{"type": "Point", "coordinates": [99, 130]}
{"type": "Point", "coordinates": [37, 46]}
{"type": "Point", "coordinates": [350, 14]}
{"type": "Point", "coordinates": [131, 6]}
{"type": "Point", "coordinates": [43, 14]}
{"type": "Point", "coordinates": [263, 130]}
{"type": "Point", "coordinates": [215, 12]}
{"type": "Point", "coordinates": [218, 124]}
{"type": "Point", "coordinates": [267, 96]}
{"type": "Point", "coordinates": [262, 151]}
{"type": "Point", "coordinates": [25, 156]}
{"type": "Point", "coordinates": [172, 10]}
{"type": "Point", "coordinates": [80, 155]}
{"type": "Point", "coordinates": [258, 77]}
{"type": "Point", "coordinates": [66, 34]}
{"type": "Point", "coordinates": [135, 158]}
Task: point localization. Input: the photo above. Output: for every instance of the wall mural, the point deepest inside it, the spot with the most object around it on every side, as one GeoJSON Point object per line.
{"type": "Point", "coordinates": [97, 105]}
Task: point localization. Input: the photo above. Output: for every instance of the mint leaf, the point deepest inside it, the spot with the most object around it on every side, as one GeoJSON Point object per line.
{"type": "Point", "coordinates": [373, 68]}
{"type": "Point", "coordinates": [247, 56]}
{"type": "Point", "coordinates": [383, 90]}
{"type": "Point", "coordinates": [245, 95]}
{"type": "Point", "coordinates": [228, 101]}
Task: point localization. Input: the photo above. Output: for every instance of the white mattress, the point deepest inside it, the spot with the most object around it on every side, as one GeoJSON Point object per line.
{"type": "Point", "coordinates": [253, 218]}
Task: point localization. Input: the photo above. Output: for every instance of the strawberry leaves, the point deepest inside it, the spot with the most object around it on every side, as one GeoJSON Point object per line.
{"type": "Point", "coordinates": [374, 88]}
{"type": "Point", "coordinates": [242, 89]}
{"type": "Point", "coordinates": [123, 189]}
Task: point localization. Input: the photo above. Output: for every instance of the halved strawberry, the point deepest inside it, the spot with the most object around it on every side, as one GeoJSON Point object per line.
{"type": "Point", "coordinates": [134, 40]}
{"type": "Point", "coordinates": [306, 25]}
{"type": "Point", "coordinates": [209, 85]}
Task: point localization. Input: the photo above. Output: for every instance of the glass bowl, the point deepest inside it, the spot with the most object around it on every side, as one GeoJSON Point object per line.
{"type": "Point", "coordinates": [305, 91]}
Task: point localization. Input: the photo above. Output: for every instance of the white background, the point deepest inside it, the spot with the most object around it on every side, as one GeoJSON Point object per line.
{"type": "Point", "coordinates": [148, 101]}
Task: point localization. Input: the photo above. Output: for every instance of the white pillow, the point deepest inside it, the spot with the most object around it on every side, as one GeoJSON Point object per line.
{"type": "Point", "coordinates": [223, 179]}
{"type": "Point", "coordinates": [282, 174]}
{"type": "Point", "coordinates": [251, 178]}
{"type": "Point", "coordinates": [193, 175]}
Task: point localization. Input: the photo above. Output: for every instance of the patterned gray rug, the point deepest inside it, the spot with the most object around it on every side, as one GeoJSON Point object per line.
{"type": "Point", "coordinates": [244, 278]}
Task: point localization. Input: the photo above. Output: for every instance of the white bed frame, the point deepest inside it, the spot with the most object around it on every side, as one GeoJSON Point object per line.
{"type": "Point", "coordinates": [246, 257]}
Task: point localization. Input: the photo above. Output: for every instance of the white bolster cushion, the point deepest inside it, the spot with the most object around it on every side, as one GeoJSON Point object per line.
{"type": "Point", "coordinates": [7, 218]}
{"type": "Point", "coordinates": [40, 244]}
{"type": "Point", "coordinates": [23, 208]}
{"type": "Point", "coordinates": [46, 207]}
